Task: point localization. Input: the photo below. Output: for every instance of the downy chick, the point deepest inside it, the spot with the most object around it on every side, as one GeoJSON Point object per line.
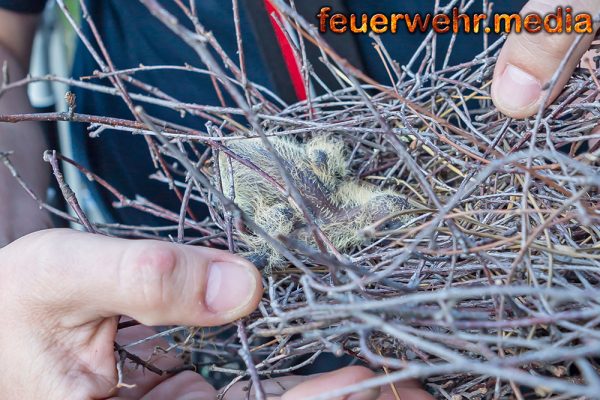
{"type": "Point", "coordinates": [341, 207]}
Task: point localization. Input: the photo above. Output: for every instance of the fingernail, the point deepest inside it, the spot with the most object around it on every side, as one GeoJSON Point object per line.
{"type": "Point", "coordinates": [229, 287]}
{"type": "Point", "coordinates": [370, 394]}
{"type": "Point", "coordinates": [517, 89]}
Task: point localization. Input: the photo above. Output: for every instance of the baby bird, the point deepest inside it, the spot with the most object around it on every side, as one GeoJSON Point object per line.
{"type": "Point", "coordinates": [341, 207]}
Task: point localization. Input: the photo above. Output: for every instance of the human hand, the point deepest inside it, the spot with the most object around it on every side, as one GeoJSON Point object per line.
{"type": "Point", "coordinates": [62, 292]}
{"type": "Point", "coordinates": [528, 61]}
{"type": "Point", "coordinates": [304, 387]}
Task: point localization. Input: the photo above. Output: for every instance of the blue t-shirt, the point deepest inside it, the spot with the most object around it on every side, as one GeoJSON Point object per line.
{"type": "Point", "coordinates": [133, 36]}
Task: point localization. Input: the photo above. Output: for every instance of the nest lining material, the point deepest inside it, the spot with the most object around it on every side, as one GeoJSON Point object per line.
{"type": "Point", "coordinates": [488, 288]}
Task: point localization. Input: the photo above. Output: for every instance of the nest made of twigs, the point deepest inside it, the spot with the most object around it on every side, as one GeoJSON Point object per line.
{"type": "Point", "coordinates": [490, 289]}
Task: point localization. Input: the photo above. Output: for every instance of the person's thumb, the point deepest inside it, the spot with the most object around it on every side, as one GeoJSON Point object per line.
{"type": "Point", "coordinates": [528, 61]}
{"type": "Point", "coordinates": [88, 276]}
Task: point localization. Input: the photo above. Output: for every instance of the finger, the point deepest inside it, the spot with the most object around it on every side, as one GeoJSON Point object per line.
{"type": "Point", "coordinates": [409, 390]}
{"type": "Point", "coordinates": [186, 385]}
{"type": "Point", "coordinates": [332, 381]}
{"type": "Point", "coordinates": [276, 387]}
{"type": "Point", "coordinates": [138, 379]}
{"type": "Point", "coordinates": [89, 276]}
{"type": "Point", "coordinates": [273, 388]}
{"type": "Point", "coordinates": [528, 61]}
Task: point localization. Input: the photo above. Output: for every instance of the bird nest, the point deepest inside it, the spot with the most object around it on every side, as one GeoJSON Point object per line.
{"type": "Point", "coordinates": [485, 287]}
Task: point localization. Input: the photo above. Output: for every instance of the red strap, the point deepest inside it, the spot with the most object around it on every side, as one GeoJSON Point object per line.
{"type": "Point", "coordinates": [288, 55]}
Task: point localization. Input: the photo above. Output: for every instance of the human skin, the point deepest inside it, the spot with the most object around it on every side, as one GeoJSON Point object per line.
{"type": "Point", "coordinates": [62, 300]}
{"type": "Point", "coordinates": [62, 291]}
{"type": "Point", "coordinates": [528, 61]}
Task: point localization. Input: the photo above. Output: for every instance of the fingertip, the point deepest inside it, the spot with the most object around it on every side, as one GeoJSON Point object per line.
{"type": "Point", "coordinates": [515, 91]}
{"type": "Point", "coordinates": [335, 380]}
{"type": "Point", "coordinates": [233, 289]}
{"type": "Point", "coordinates": [187, 385]}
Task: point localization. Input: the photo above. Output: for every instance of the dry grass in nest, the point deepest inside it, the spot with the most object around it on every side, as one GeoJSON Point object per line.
{"type": "Point", "coordinates": [489, 290]}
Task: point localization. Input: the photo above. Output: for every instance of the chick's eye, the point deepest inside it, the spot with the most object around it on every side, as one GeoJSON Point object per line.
{"type": "Point", "coordinates": [391, 225]}
{"type": "Point", "coordinates": [320, 158]}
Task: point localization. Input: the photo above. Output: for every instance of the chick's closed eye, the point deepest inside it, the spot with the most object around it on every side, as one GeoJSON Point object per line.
{"type": "Point", "coordinates": [339, 205]}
